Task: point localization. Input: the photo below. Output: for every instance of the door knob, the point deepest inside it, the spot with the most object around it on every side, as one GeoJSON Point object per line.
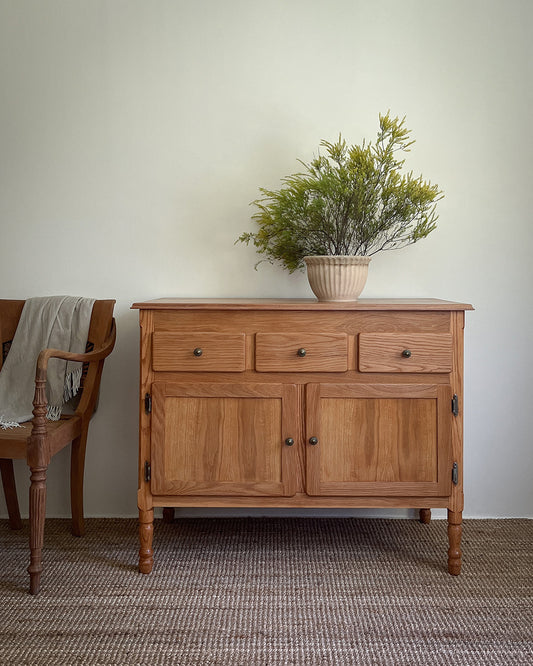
{"type": "Point", "coordinates": [406, 353]}
{"type": "Point", "coordinates": [198, 351]}
{"type": "Point", "coordinates": [289, 441]}
{"type": "Point", "coordinates": [313, 441]}
{"type": "Point", "coordinates": [301, 352]}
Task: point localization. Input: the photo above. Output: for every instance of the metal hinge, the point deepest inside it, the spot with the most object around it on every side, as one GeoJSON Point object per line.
{"type": "Point", "coordinates": [148, 403]}
{"type": "Point", "coordinates": [455, 474]}
{"type": "Point", "coordinates": [455, 405]}
{"type": "Point", "coordinates": [147, 471]}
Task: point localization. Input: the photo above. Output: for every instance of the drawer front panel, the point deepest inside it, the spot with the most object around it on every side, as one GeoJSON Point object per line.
{"type": "Point", "coordinates": [301, 352]}
{"type": "Point", "coordinates": [409, 352]}
{"type": "Point", "coordinates": [205, 352]}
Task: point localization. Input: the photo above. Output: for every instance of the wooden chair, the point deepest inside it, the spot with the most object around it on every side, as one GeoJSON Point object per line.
{"type": "Point", "coordinates": [38, 440]}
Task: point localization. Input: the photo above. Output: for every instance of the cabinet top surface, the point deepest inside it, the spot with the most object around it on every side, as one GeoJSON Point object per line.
{"type": "Point", "coordinates": [299, 304]}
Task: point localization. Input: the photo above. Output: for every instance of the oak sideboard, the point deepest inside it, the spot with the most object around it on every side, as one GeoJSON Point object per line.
{"type": "Point", "coordinates": [295, 403]}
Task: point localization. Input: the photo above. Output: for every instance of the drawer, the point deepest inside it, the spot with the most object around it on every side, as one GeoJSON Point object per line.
{"type": "Point", "coordinates": [205, 352]}
{"type": "Point", "coordinates": [405, 352]}
{"type": "Point", "coordinates": [301, 352]}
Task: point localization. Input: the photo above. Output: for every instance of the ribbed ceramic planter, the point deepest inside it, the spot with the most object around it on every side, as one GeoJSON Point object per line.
{"type": "Point", "coordinates": [337, 278]}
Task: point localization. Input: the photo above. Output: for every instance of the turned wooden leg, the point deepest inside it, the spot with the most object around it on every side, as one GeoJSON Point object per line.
{"type": "Point", "coordinates": [10, 492]}
{"type": "Point", "coordinates": [454, 539]}
{"type": "Point", "coordinates": [168, 514]}
{"type": "Point", "coordinates": [146, 533]}
{"type": "Point", "coordinates": [37, 515]}
{"type": "Point", "coordinates": [425, 516]}
{"type": "Point", "coordinates": [77, 467]}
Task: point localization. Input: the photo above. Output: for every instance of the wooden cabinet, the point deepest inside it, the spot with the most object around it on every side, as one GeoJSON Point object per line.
{"type": "Point", "coordinates": [295, 403]}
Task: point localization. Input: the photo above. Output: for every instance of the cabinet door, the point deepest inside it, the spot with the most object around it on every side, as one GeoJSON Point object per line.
{"type": "Point", "coordinates": [378, 440]}
{"type": "Point", "coordinates": [223, 439]}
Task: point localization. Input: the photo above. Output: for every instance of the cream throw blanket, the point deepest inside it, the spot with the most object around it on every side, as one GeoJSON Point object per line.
{"type": "Point", "coordinates": [57, 322]}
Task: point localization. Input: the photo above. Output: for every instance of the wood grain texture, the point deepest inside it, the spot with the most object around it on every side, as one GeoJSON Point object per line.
{"type": "Point", "coordinates": [378, 439]}
{"type": "Point", "coordinates": [301, 501]}
{"type": "Point", "coordinates": [251, 322]}
{"type": "Point", "coordinates": [385, 352]}
{"type": "Point", "coordinates": [146, 375]}
{"type": "Point", "coordinates": [222, 439]}
{"type": "Point", "coordinates": [220, 352]}
{"type": "Point", "coordinates": [322, 352]}
{"type": "Point", "coordinates": [386, 440]}
{"type": "Point", "coordinates": [457, 495]}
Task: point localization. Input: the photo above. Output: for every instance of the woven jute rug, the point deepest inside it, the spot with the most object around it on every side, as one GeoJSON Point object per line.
{"type": "Point", "coordinates": [269, 591]}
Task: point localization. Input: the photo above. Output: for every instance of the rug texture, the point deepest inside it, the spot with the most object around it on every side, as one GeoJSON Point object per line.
{"type": "Point", "coordinates": [269, 591]}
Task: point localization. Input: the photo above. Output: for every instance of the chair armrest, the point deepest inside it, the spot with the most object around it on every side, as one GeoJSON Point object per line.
{"type": "Point", "coordinates": [96, 355]}
{"type": "Point", "coordinates": [37, 448]}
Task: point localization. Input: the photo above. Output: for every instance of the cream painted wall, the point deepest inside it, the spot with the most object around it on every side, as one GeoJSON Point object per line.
{"type": "Point", "coordinates": [134, 134]}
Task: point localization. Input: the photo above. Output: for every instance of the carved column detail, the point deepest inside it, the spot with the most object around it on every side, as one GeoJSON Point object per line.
{"type": "Point", "coordinates": [38, 459]}
{"type": "Point", "coordinates": [37, 515]}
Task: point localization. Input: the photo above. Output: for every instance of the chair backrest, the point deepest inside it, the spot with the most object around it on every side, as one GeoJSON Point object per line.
{"type": "Point", "coordinates": [101, 323]}
{"type": "Point", "coordinates": [9, 318]}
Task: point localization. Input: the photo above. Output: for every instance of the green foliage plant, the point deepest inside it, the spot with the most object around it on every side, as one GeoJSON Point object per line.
{"type": "Point", "coordinates": [352, 200]}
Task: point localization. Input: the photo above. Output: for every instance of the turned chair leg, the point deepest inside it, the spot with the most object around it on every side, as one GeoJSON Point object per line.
{"type": "Point", "coordinates": [37, 516]}
{"type": "Point", "coordinates": [10, 492]}
{"type": "Point", "coordinates": [77, 467]}
{"type": "Point", "coordinates": [425, 516]}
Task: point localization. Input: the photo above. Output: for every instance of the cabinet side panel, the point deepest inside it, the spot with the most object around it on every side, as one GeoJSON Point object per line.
{"type": "Point", "coordinates": [144, 497]}
{"type": "Point", "coordinates": [457, 327]}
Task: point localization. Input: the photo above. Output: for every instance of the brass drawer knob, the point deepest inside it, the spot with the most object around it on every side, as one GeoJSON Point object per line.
{"type": "Point", "coordinates": [301, 352]}
{"type": "Point", "coordinates": [406, 353]}
{"type": "Point", "coordinates": [313, 441]}
{"type": "Point", "coordinates": [289, 441]}
{"type": "Point", "coordinates": [198, 352]}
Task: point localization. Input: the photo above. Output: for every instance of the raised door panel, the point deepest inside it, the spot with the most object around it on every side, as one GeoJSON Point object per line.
{"type": "Point", "coordinates": [223, 439]}
{"type": "Point", "coordinates": [378, 440]}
